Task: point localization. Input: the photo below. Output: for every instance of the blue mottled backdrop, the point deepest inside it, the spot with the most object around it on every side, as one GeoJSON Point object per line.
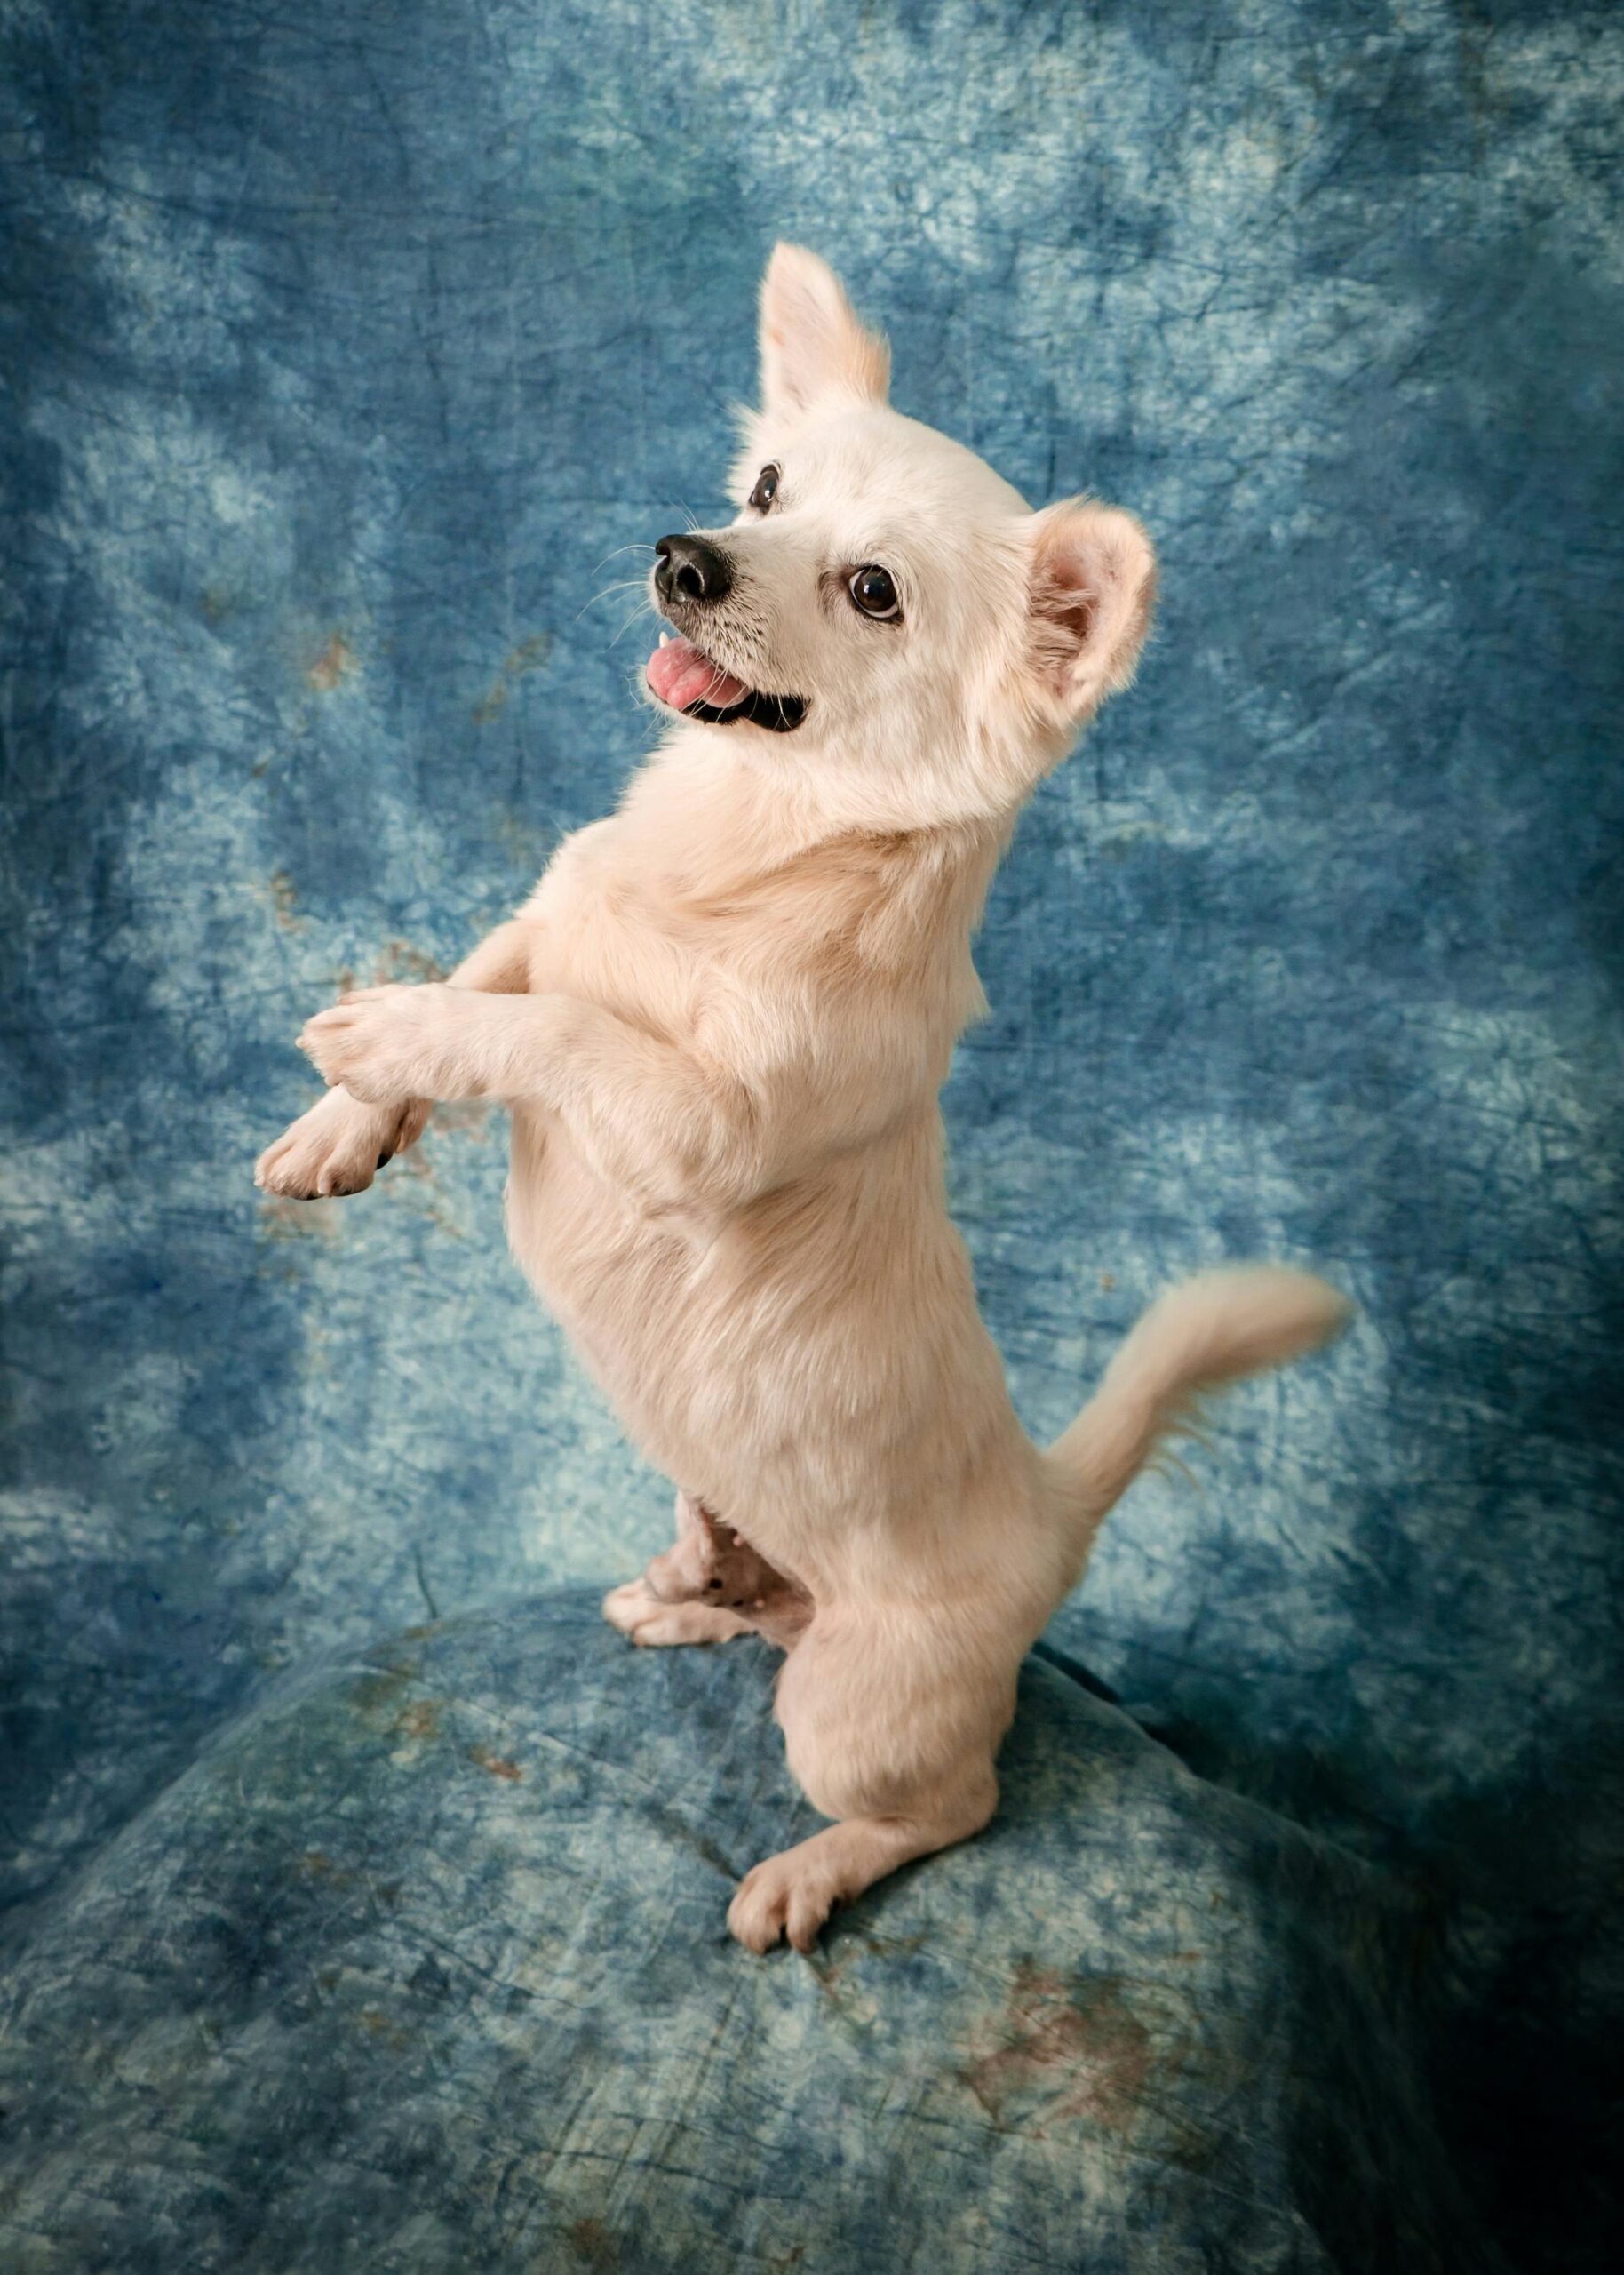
{"type": "Point", "coordinates": [346, 348]}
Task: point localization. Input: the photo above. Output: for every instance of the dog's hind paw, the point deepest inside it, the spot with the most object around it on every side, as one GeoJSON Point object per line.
{"type": "Point", "coordinates": [638, 1612]}
{"type": "Point", "coordinates": [789, 1894]}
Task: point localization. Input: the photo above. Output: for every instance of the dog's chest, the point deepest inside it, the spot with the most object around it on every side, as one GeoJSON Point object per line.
{"type": "Point", "coordinates": [624, 942]}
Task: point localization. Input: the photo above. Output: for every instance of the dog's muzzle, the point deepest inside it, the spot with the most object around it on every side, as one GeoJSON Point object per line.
{"type": "Point", "coordinates": [690, 569]}
{"type": "Point", "coordinates": [690, 576]}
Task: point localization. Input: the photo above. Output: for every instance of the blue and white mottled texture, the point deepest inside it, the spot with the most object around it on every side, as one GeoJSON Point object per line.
{"type": "Point", "coordinates": [462, 1997]}
{"type": "Point", "coordinates": [344, 347]}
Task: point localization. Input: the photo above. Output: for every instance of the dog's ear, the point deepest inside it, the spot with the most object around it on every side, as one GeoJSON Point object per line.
{"type": "Point", "coordinates": [1091, 589]}
{"type": "Point", "coordinates": [812, 345]}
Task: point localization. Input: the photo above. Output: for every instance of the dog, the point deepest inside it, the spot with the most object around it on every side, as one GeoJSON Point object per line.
{"type": "Point", "coordinates": [721, 1025]}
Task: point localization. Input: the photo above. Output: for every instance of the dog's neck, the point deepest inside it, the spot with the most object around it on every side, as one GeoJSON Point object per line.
{"type": "Point", "coordinates": [711, 839]}
{"type": "Point", "coordinates": [717, 821]}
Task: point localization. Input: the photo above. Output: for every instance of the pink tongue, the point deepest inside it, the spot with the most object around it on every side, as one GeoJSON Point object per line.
{"type": "Point", "coordinates": [680, 675]}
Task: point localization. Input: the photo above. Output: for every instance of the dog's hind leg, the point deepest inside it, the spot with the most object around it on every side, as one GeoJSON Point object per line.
{"type": "Point", "coordinates": [792, 1893]}
{"type": "Point", "coordinates": [891, 1728]}
{"type": "Point", "coordinates": [650, 1620]}
{"type": "Point", "coordinates": [708, 1586]}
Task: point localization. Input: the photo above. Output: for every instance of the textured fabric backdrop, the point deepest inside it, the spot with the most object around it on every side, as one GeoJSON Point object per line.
{"type": "Point", "coordinates": [347, 347]}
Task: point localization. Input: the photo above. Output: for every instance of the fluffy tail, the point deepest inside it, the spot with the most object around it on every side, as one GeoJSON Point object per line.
{"type": "Point", "coordinates": [1210, 1331]}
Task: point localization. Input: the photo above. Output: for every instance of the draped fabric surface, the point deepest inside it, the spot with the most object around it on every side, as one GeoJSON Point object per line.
{"type": "Point", "coordinates": [364, 1893]}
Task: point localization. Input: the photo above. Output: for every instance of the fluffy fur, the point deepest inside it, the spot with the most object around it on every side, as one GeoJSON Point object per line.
{"type": "Point", "coordinates": [721, 1023]}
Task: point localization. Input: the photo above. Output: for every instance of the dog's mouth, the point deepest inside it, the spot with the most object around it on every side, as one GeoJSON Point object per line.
{"type": "Point", "coordinates": [686, 680]}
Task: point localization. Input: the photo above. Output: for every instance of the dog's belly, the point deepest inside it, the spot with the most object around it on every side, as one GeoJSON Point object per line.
{"type": "Point", "coordinates": [622, 1287]}
{"type": "Point", "coordinates": [788, 1363]}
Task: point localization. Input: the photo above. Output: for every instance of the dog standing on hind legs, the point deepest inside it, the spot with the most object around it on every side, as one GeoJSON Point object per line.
{"type": "Point", "coordinates": [721, 1023]}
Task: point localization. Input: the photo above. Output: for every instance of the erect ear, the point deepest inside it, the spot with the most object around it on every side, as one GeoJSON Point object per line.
{"type": "Point", "coordinates": [1092, 588]}
{"type": "Point", "coordinates": [811, 343]}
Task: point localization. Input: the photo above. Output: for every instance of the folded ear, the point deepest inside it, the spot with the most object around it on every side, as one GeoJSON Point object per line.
{"type": "Point", "coordinates": [811, 343]}
{"type": "Point", "coordinates": [1092, 588]}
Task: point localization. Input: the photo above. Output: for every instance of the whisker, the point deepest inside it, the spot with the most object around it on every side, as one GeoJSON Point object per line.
{"type": "Point", "coordinates": [619, 549]}
{"type": "Point", "coordinates": [641, 606]}
{"type": "Point", "coordinates": [625, 585]}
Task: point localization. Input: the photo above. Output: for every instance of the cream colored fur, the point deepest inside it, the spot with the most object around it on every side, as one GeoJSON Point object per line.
{"type": "Point", "coordinates": [721, 1023]}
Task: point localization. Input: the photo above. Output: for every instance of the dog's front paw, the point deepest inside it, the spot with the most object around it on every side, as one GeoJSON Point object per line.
{"type": "Point", "coordinates": [337, 1147]}
{"type": "Point", "coordinates": [387, 1043]}
{"type": "Point", "coordinates": [790, 1894]}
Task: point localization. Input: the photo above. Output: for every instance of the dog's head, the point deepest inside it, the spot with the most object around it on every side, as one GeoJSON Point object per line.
{"type": "Point", "coordinates": [886, 614]}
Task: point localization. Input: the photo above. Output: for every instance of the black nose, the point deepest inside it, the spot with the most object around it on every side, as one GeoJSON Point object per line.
{"type": "Point", "coordinates": [690, 569]}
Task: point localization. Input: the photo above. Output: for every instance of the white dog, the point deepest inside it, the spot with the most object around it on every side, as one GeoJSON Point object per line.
{"type": "Point", "coordinates": [721, 1023]}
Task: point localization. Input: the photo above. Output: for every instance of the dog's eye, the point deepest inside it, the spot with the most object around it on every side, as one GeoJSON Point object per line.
{"type": "Point", "coordinates": [872, 592]}
{"type": "Point", "coordinates": [766, 490]}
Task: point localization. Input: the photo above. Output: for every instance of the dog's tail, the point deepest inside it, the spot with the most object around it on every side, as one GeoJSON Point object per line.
{"type": "Point", "coordinates": [1207, 1332]}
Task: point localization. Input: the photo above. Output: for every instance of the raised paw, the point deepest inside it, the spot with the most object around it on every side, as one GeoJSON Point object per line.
{"type": "Point", "coordinates": [790, 1894]}
{"type": "Point", "coordinates": [338, 1146]}
{"type": "Point", "coordinates": [386, 1044]}
{"type": "Point", "coordinates": [638, 1612]}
